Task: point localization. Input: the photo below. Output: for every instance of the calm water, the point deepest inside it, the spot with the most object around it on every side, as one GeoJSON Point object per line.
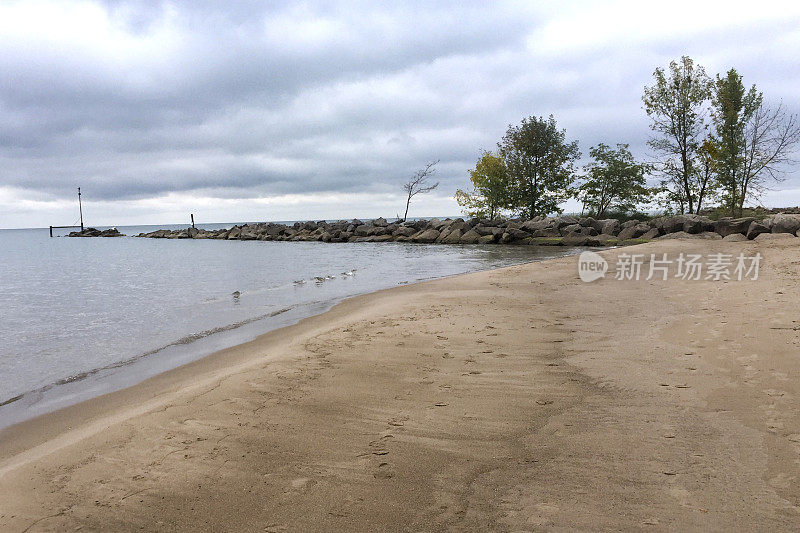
{"type": "Point", "coordinates": [81, 317]}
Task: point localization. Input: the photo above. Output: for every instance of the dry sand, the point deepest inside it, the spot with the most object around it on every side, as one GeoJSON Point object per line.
{"type": "Point", "coordinates": [517, 399]}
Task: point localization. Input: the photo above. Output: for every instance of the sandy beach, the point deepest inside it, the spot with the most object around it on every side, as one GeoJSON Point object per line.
{"type": "Point", "coordinates": [519, 399]}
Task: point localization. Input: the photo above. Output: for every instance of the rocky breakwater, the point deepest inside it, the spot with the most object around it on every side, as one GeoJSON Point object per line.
{"type": "Point", "coordinates": [93, 232]}
{"type": "Point", "coordinates": [546, 231]}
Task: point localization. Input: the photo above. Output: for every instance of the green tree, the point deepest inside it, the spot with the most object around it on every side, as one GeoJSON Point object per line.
{"type": "Point", "coordinates": [540, 166]}
{"type": "Point", "coordinates": [733, 108]}
{"type": "Point", "coordinates": [676, 105]}
{"type": "Point", "coordinates": [614, 180]}
{"type": "Point", "coordinates": [756, 143]}
{"type": "Point", "coordinates": [490, 188]}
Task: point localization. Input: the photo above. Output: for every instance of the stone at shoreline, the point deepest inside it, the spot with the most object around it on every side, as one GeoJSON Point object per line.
{"type": "Point", "coordinates": [94, 232]}
{"type": "Point", "coordinates": [453, 237]}
{"type": "Point", "coordinates": [609, 226]}
{"type": "Point", "coordinates": [756, 228]}
{"type": "Point", "coordinates": [652, 233]}
{"type": "Point", "coordinates": [427, 236]}
{"type": "Point", "coordinates": [633, 231]}
{"type": "Point", "coordinates": [470, 237]}
{"type": "Point", "coordinates": [783, 223]}
{"type": "Point", "coordinates": [726, 226]}
{"type": "Point", "coordinates": [559, 230]}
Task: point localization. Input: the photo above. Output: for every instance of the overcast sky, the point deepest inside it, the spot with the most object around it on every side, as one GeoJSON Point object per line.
{"type": "Point", "coordinates": [307, 110]}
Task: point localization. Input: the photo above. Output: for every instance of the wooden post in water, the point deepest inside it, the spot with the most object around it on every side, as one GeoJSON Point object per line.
{"type": "Point", "coordinates": [80, 208]}
{"type": "Point", "coordinates": [192, 215]}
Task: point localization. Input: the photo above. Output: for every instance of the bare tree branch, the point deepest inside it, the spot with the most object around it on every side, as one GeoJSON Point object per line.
{"type": "Point", "coordinates": [419, 183]}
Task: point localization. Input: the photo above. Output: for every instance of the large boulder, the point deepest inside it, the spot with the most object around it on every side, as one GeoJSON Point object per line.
{"type": "Point", "coordinates": [547, 232]}
{"type": "Point", "coordinates": [111, 232]}
{"type": "Point", "coordinates": [470, 237]}
{"type": "Point", "coordinates": [633, 231]}
{"type": "Point", "coordinates": [404, 231]}
{"type": "Point", "coordinates": [452, 237]}
{"type": "Point", "coordinates": [756, 228]}
{"type": "Point", "coordinates": [609, 226]}
{"type": "Point", "coordinates": [572, 228]}
{"type": "Point", "coordinates": [726, 226]}
{"type": "Point", "coordinates": [575, 239]}
{"type": "Point", "coordinates": [362, 230]}
{"type": "Point", "coordinates": [652, 233]}
{"type": "Point", "coordinates": [512, 235]}
{"type": "Point", "coordinates": [426, 236]}
{"type": "Point", "coordinates": [783, 223]}
{"type": "Point", "coordinates": [482, 230]}
{"type": "Point", "coordinates": [536, 224]}
{"type": "Point", "coordinates": [381, 222]}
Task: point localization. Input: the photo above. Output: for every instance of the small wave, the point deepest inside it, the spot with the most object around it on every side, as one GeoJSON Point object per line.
{"type": "Point", "coordinates": [182, 341]}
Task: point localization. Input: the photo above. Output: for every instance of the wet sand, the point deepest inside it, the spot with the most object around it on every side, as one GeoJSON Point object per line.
{"type": "Point", "coordinates": [519, 399]}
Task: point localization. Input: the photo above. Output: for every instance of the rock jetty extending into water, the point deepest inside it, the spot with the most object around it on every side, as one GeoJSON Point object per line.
{"type": "Point", "coordinates": [553, 231]}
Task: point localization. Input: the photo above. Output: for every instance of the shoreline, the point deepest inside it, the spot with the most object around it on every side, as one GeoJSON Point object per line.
{"type": "Point", "coordinates": [513, 398]}
{"type": "Point", "coordinates": [72, 388]}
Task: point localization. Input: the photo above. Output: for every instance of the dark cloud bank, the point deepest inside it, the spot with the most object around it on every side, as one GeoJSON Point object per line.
{"type": "Point", "coordinates": [138, 100]}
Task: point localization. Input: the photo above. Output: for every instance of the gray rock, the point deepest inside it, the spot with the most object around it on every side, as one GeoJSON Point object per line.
{"type": "Point", "coordinates": [404, 231]}
{"type": "Point", "coordinates": [633, 231]}
{"type": "Point", "coordinates": [756, 228]}
{"type": "Point", "coordinates": [727, 226]}
{"type": "Point", "coordinates": [482, 230]}
{"type": "Point", "coordinates": [426, 236]}
{"type": "Point", "coordinates": [380, 222]}
{"type": "Point", "coordinates": [572, 228]}
{"type": "Point", "coordinates": [535, 225]}
{"type": "Point", "coordinates": [362, 230]}
{"type": "Point", "coordinates": [547, 232]}
{"type": "Point", "coordinates": [609, 226]}
{"type": "Point", "coordinates": [470, 237]}
{"type": "Point", "coordinates": [652, 233]}
{"type": "Point", "coordinates": [575, 239]}
{"type": "Point", "coordinates": [452, 237]}
{"type": "Point", "coordinates": [512, 234]}
{"type": "Point", "coordinates": [783, 223]}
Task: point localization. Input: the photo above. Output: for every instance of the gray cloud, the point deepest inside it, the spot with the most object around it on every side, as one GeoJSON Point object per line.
{"type": "Point", "coordinates": [137, 99]}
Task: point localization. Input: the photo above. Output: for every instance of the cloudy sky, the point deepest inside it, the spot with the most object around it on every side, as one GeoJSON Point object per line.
{"type": "Point", "coordinates": [305, 110]}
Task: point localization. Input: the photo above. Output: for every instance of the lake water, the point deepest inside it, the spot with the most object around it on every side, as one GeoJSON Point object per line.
{"type": "Point", "coordinates": [82, 317]}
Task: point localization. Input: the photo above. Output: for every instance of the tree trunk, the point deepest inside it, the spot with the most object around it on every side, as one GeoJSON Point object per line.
{"type": "Point", "coordinates": [405, 216]}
